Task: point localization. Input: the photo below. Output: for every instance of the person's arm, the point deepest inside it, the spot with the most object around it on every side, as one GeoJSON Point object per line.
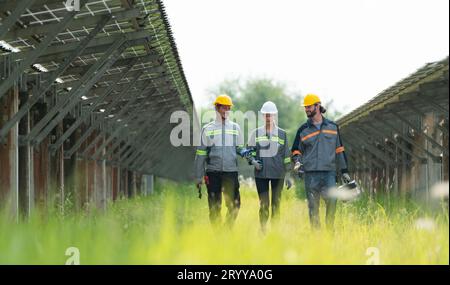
{"type": "Point", "coordinates": [200, 157]}
{"type": "Point", "coordinates": [251, 146]}
{"type": "Point", "coordinates": [287, 155]}
{"type": "Point", "coordinates": [287, 164]}
{"type": "Point", "coordinates": [240, 147]}
{"type": "Point", "coordinates": [251, 152]}
{"type": "Point", "coordinates": [297, 149]}
{"type": "Point", "coordinates": [341, 157]}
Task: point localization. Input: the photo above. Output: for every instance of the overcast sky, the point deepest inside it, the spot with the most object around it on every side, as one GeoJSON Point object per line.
{"type": "Point", "coordinates": [346, 50]}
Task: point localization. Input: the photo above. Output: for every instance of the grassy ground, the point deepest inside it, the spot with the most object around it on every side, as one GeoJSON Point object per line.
{"type": "Point", "coordinates": [172, 227]}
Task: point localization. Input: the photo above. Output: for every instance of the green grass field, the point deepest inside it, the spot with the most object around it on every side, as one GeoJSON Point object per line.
{"type": "Point", "coordinates": [172, 227]}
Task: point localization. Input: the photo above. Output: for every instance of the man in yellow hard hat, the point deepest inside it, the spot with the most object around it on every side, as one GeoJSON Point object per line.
{"type": "Point", "coordinates": [318, 154]}
{"type": "Point", "coordinates": [216, 161]}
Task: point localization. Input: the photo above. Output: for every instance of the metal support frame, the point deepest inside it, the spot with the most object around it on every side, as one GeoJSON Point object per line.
{"type": "Point", "coordinates": [128, 155]}
{"type": "Point", "coordinates": [135, 115]}
{"type": "Point", "coordinates": [78, 144]}
{"type": "Point", "coordinates": [368, 128]}
{"type": "Point", "coordinates": [10, 5]}
{"type": "Point", "coordinates": [132, 89]}
{"type": "Point", "coordinates": [109, 152]}
{"type": "Point", "coordinates": [430, 102]}
{"type": "Point", "coordinates": [116, 133]}
{"type": "Point", "coordinates": [138, 159]}
{"type": "Point", "coordinates": [365, 133]}
{"type": "Point", "coordinates": [118, 141]}
{"type": "Point", "coordinates": [88, 80]}
{"type": "Point", "coordinates": [127, 146]}
{"type": "Point", "coordinates": [124, 144]}
{"type": "Point", "coordinates": [35, 53]}
{"type": "Point", "coordinates": [421, 133]}
{"type": "Point", "coordinates": [75, 24]}
{"type": "Point", "coordinates": [112, 77]}
{"type": "Point", "coordinates": [368, 147]}
{"type": "Point", "coordinates": [25, 160]}
{"type": "Point", "coordinates": [124, 149]}
{"type": "Point", "coordinates": [422, 114]}
{"type": "Point", "coordinates": [145, 59]}
{"type": "Point", "coordinates": [399, 145]}
{"type": "Point", "coordinates": [14, 16]}
{"type": "Point", "coordinates": [91, 108]}
{"type": "Point", "coordinates": [45, 87]}
{"type": "Point", "coordinates": [407, 139]}
{"type": "Point", "coordinates": [141, 160]}
{"type": "Point", "coordinates": [131, 160]}
{"type": "Point", "coordinates": [162, 72]}
{"type": "Point", "coordinates": [80, 141]}
{"type": "Point", "coordinates": [97, 45]}
{"type": "Point", "coordinates": [125, 121]}
{"type": "Point", "coordinates": [354, 157]}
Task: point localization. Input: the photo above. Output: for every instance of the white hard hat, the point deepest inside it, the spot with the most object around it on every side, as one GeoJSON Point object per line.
{"type": "Point", "coordinates": [269, 108]}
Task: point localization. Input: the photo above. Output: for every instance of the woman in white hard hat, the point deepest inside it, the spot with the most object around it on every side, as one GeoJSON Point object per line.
{"type": "Point", "coordinates": [270, 155]}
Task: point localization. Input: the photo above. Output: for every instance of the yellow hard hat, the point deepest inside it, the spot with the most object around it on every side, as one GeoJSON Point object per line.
{"type": "Point", "coordinates": [310, 99]}
{"type": "Point", "coordinates": [223, 100]}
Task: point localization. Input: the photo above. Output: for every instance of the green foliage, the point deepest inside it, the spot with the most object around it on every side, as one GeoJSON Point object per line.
{"type": "Point", "coordinates": [172, 227]}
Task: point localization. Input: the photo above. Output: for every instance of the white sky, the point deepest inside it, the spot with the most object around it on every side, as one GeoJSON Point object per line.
{"type": "Point", "coordinates": [346, 50]}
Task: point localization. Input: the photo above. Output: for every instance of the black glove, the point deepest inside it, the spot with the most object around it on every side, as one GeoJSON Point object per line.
{"type": "Point", "coordinates": [198, 185]}
{"type": "Point", "coordinates": [346, 178]}
{"type": "Point", "coordinates": [245, 152]}
{"type": "Point", "coordinates": [257, 164]}
{"type": "Point", "coordinates": [300, 169]}
{"type": "Point", "coordinates": [289, 182]}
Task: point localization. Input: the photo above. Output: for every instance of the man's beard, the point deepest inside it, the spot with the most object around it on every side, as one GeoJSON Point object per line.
{"type": "Point", "coordinates": [312, 114]}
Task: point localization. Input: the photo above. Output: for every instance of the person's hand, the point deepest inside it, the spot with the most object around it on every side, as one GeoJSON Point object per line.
{"type": "Point", "coordinates": [289, 183]}
{"type": "Point", "coordinates": [298, 167]}
{"type": "Point", "coordinates": [257, 164]}
{"type": "Point", "coordinates": [301, 173]}
{"type": "Point", "coordinates": [198, 183]}
{"type": "Point", "coordinates": [346, 177]}
{"type": "Point", "coordinates": [245, 153]}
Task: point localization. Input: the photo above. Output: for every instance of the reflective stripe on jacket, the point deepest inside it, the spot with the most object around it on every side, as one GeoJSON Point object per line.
{"type": "Point", "coordinates": [272, 149]}
{"type": "Point", "coordinates": [219, 146]}
{"type": "Point", "coordinates": [320, 149]}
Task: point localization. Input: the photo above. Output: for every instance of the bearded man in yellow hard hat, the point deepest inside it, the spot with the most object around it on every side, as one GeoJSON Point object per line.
{"type": "Point", "coordinates": [319, 155]}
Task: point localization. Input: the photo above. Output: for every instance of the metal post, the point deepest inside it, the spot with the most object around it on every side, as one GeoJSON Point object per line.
{"type": "Point", "coordinates": [9, 176]}
{"type": "Point", "coordinates": [26, 178]}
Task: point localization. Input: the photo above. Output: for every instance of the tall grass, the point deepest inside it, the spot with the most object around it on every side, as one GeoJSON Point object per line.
{"type": "Point", "coordinates": [172, 227]}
